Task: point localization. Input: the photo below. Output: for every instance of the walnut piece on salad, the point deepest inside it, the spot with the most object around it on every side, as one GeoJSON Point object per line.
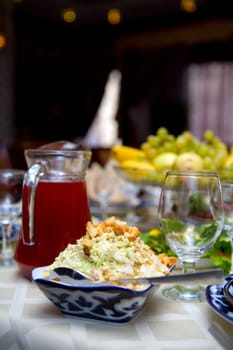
{"type": "Point", "coordinates": [113, 250]}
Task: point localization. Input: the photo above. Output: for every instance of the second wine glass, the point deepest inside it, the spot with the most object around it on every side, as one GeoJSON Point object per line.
{"type": "Point", "coordinates": [191, 217]}
{"type": "Point", "coordinates": [11, 182]}
{"type": "Point", "coordinates": [104, 188]}
{"type": "Point", "coordinates": [227, 190]}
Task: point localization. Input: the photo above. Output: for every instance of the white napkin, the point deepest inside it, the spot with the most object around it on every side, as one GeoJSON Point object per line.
{"type": "Point", "coordinates": [96, 173]}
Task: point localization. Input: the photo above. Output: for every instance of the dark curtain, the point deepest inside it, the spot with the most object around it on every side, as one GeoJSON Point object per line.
{"type": "Point", "coordinates": [155, 91]}
{"type": "Point", "coordinates": [152, 93]}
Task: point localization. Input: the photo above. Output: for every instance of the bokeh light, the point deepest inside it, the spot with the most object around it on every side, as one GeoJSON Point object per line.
{"type": "Point", "coordinates": [69, 15]}
{"type": "Point", "coordinates": [2, 41]}
{"type": "Point", "coordinates": [114, 16]}
{"type": "Point", "coordinates": [188, 5]}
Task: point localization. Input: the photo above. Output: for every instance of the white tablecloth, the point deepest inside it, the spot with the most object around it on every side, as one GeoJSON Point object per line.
{"type": "Point", "coordinates": [29, 321]}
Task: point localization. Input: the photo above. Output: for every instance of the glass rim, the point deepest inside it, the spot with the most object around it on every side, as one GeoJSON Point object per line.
{"type": "Point", "coordinates": [227, 182]}
{"type": "Point", "coordinates": [62, 153]}
{"type": "Point", "coordinates": [8, 172]}
{"type": "Point", "coordinates": [192, 173]}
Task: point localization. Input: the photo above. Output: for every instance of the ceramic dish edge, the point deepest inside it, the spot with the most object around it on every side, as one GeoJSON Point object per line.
{"type": "Point", "coordinates": [217, 301]}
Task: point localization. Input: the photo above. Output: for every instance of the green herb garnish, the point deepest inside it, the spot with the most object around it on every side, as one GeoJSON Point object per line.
{"type": "Point", "coordinates": [219, 254]}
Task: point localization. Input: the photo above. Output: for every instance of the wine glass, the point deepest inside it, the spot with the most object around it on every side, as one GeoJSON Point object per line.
{"type": "Point", "coordinates": [131, 192]}
{"type": "Point", "coordinates": [191, 217]}
{"type": "Point", "coordinates": [11, 182]}
{"type": "Point", "coordinates": [105, 184]}
{"type": "Point", "coordinates": [227, 193]}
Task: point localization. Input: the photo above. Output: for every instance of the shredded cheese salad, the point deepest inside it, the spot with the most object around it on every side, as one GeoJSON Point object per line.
{"type": "Point", "coordinates": [112, 250]}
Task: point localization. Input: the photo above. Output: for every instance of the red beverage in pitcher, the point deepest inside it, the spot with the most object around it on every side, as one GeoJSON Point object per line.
{"type": "Point", "coordinates": [60, 215]}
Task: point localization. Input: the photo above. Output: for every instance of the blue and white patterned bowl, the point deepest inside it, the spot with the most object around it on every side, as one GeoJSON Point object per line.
{"type": "Point", "coordinates": [110, 304]}
{"type": "Point", "coordinates": [217, 301]}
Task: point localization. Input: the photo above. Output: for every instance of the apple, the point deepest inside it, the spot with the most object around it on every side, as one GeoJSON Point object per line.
{"type": "Point", "coordinates": [165, 161]}
{"type": "Point", "coordinates": [189, 161]}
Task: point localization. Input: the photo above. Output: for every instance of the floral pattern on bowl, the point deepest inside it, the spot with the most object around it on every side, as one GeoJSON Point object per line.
{"type": "Point", "coordinates": [108, 304]}
{"type": "Point", "coordinates": [217, 301]}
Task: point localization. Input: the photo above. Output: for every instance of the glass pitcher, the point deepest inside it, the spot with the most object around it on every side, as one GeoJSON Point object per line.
{"type": "Point", "coordinates": [55, 206]}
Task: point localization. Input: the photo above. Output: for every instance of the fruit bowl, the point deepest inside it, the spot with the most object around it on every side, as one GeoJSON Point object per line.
{"type": "Point", "coordinates": [151, 177]}
{"type": "Point", "coordinates": [163, 150]}
{"type": "Point", "coordinates": [140, 177]}
{"type": "Point", "coordinates": [106, 304]}
{"type": "Point", "coordinates": [226, 174]}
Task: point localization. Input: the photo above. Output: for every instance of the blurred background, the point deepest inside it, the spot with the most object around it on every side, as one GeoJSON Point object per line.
{"type": "Point", "coordinates": [175, 58]}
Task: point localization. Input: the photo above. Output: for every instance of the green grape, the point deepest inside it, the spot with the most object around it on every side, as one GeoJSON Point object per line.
{"type": "Point", "coordinates": [150, 153]}
{"type": "Point", "coordinates": [217, 143]}
{"type": "Point", "coordinates": [159, 150]}
{"type": "Point", "coordinates": [209, 164]}
{"type": "Point", "coordinates": [168, 147]}
{"type": "Point", "coordinates": [153, 140]}
{"type": "Point", "coordinates": [188, 136]}
{"type": "Point", "coordinates": [221, 150]}
{"type": "Point", "coordinates": [211, 152]}
{"type": "Point", "coordinates": [212, 149]}
{"type": "Point", "coordinates": [203, 149]}
{"type": "Point", "coordinates": [209, 135]}
{"type": "Point", "coordinates": [171, 138]}
{"type": "Point", "coordinates": [145, 146]}
{"type": "Point", "coordinates": [162, 133]}
{"type": "Point", "coordinates": [195, 144]}
{"type": "Point", "coordinates": [220, 159]}
{"type": "Point", "coordinates": [181, 142]}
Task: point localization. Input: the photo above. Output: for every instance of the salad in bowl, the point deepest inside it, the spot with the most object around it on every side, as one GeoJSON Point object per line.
{"type": "Point", "coordinates": [110, 250]}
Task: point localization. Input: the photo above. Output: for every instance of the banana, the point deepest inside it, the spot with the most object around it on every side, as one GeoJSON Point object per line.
{"type": "Point", "coordinates": [137, 170]}
{"type": "Point", "coordinates": [122, 153]}
{"type": "Point", "coordinates": [229, 161]}
{"type": "Point", "coordinates": [137, 164]}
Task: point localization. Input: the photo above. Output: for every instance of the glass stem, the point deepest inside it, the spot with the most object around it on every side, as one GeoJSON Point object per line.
{"type": "Point", "coordinates": [6, 252]}
{"type": "Point", "coordinates": [103, 207]}
{"type": "Point", "coordinates": [231, 269]}
{"type": "Point", "coordinates": [189, 267]}
{"type": "Point", "coordinates": [5, 233]}
{"type": "Point", "coordinates": [130, 215]}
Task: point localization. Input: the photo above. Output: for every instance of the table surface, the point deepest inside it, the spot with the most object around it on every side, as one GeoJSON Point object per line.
{"type": "Point", "coordinates": [29, 321]}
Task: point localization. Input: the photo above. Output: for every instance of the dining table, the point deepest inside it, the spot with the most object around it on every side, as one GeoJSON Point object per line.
{"type": "Point", "coordinates": [29, 321]}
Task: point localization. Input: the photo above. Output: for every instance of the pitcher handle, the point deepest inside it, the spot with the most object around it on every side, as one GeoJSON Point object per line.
{"type": "Point", "coordinates": [31, 180]}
